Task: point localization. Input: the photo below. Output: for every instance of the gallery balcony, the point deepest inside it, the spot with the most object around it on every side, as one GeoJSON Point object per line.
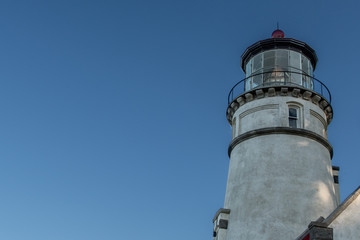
{"type": "Point", "coordinates": [279, 79]}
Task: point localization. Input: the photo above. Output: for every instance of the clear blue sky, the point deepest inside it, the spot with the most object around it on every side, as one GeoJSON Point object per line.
{"type": "Point", "coordinates": [112, 121]}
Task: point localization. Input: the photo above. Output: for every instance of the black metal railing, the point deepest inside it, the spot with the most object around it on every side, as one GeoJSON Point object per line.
{"type": "Point", "coordinates": [279, 78]}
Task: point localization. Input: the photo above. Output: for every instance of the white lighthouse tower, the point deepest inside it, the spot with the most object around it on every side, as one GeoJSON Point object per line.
{"type": "Point", "coordinates": [280, 174]}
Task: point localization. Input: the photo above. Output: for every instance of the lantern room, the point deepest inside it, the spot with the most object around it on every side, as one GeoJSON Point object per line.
{"type": "Point", "coordinates": [279, 61]}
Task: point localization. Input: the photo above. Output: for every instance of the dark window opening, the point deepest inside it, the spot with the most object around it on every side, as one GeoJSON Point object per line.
{"type": "Point", "coordinates": [293, 117]}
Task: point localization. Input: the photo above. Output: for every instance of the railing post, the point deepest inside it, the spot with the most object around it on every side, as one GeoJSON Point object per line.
{"type": "Point", "coordinates": [322, 90]}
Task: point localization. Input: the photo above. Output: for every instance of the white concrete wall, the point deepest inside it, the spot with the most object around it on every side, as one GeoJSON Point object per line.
{"type": "Point", "coordinates": [273, 112]}
{"type": "Point", "coordinates": [347, 225]}
{"type": "Point", "coordinates": [277, 183]}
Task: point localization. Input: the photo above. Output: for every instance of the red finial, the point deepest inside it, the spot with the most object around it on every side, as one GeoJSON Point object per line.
{"type": "Point", "coordinates": [278, 34]}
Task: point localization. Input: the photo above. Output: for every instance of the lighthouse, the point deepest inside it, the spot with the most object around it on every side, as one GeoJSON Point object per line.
{"type": "Point", "coordinates": [280, 173]}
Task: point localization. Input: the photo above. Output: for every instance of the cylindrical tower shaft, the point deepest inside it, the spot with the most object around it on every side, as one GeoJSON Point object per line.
{"type": "Point", "coordinates": [280, 177]}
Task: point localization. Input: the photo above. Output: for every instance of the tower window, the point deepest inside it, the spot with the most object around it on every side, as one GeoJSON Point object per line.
{"type": "Point", "coordinates": [293, 117]}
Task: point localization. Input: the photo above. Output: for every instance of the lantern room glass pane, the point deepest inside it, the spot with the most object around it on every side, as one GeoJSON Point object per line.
{"type": "Point", "coordinates": [247, 74]}
{"type": "Point", "coordinates": [248, 68]}
{"type": "Point", "coordinates": [257, 80]}
{"type": "Point", "coordinates": [305, 64]}
{"type": "Point", "coordinates": [257, 63]}
{"type": "Point", "coordinates": [248, 84]}
{"type": "Point", "coordinates": [282, 59]}
{"type": "Point", "coordinates": [295, 67]}
{"type": "Point", "coordinates": [295, 59]}
{"type": "Point", "coordinates": [269, 60]}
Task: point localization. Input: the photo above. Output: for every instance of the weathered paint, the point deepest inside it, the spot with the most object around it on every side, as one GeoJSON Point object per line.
{"type": "Point", "coordinates": [278, 183]}
{"type": "Point", "coordinates": [273, 112]}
